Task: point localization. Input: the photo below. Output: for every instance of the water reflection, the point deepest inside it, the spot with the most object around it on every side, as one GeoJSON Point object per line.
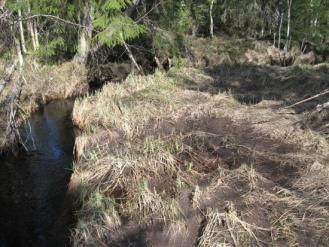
{"type": "Point", "coordinates": [33, 186]}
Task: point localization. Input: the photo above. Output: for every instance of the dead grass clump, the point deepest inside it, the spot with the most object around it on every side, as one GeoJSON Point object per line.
{"type": "Point", "coordinates": [257, 58]}
{"type": "Point", "coordinates": [54, 82]}
{"type": "Point", "coordinates": [315, 183]}
{"type": "Point", "coordinates": [150, 207]}
{"type": "Point", "coordinates": [228, 228]}
{"type": "Point", "coordinates": [220, 50]}
{"type": "Point", "coordinates": [97, 217]}
{"type": "Point", "coordinates": [120, 105]}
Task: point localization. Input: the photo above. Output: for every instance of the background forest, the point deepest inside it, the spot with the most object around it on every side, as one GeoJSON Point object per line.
{"type": "Point", "coordinates": [57, 30]}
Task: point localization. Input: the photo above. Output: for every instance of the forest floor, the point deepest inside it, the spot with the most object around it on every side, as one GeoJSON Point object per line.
{"type": "Point", "coordinates": [204, 157]}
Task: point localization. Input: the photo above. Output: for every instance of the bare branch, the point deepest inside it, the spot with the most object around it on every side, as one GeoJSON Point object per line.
{"type": "Point", "coordinates": [52, 17]}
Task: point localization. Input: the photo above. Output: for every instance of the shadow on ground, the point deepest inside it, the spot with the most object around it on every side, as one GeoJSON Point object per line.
{"type": "Point", "coordinates": [251, 84]}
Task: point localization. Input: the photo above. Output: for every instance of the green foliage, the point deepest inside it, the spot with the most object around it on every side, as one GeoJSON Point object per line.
{"type": "Point", "coordinates": [165, 44]}
{"type": "Point", "coordinates": [114, 5]}
{"type": "Point", "coordinates": [176, 16]}
{"type": "Point", "coordinates": [112, 26]}
{"type": "Point", "coordinates": [50, 50]}
{"type": "Point", "coordinates": [311, 20]}
{"type": "Point", "coordinates": [199, 10]}
{"type": "Point", "coordinates": [115, 30]}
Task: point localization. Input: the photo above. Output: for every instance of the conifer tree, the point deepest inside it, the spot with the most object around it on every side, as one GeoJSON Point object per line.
{"type": "Point", "coordinates": [112, 26]}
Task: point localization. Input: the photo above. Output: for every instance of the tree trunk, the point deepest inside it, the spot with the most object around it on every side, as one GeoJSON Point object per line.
{"type": "Point", "coordinates": [194, 30]}
{"type": "Point", "coordinates": [211, 18]}
{"type": "Point", "coordinates": [21, 29]}
{"type": "Point", "coordinates": [289, 19]}
{"type": "Point", "coordinates": [2, 4]}
{"type": "Point", "coordinates": [286, 47]}
{"type": "Point", "coordinates": [262, 32]}
{"type": "Point", "coordinates": [19, 54]}
{"type": "Point", "coordinates": [85, 34]}
{"type": "Point", "coordinates": [280, 28]}
{"type": "Point", "coordinates": [31, 29]}
{"type": "Point", "coordinates": [36, 33]}
{"type": "Point", "coordinates": [274, 39]}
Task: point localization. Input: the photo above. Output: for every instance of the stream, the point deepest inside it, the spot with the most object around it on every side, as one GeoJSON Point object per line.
{"type": "Point", "coordinates": [35, 209]}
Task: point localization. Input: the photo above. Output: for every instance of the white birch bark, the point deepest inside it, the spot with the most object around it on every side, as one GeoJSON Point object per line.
{"type": "Point", "coordinates": [36, 33]}
{"type": "Point", "coordinates": [31, 29]}
{"type": "Point", "coordinates": [280, 28]}
{"type": "Point", "coordinates": [85, 33]}
{"type": "Point", "coordinates": [211, 18]}
{"type": "Point", "coordinates": [289, 19]}
{"type": "Point", "coordinates": [21, 29]}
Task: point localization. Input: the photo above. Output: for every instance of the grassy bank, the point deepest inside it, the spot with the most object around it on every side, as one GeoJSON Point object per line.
{"type": "Point", "coordinates": [40, 84]}
{"type": "Point", "coordinates": [169, 160]}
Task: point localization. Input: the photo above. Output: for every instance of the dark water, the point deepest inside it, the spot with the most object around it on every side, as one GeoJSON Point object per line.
{"type": "Point", "coordinates": [34, 207]}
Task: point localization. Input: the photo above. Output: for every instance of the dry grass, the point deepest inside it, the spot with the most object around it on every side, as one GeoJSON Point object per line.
{"type": "Point", "coordinates": [223, 228]}
{"type": "Point", "coordinates": [117, 100]}
{"type": "Point", "coordinates": [220, 50]}
{"type": "Point", "coordinates": [170, 159]}
{"type": "Point", "coordinates": [51, 82]}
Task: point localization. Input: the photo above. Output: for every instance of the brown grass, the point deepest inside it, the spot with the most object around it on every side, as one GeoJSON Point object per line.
{"type": "Point", "coordinates": [164, 158]}
{"type": "Point", "coordinates": [51, 82]}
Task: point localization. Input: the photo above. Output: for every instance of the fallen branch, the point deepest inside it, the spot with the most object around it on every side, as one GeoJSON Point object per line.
{"type": "Point", "coordinates": [158, 63]}
{"type": "Point", "coordinates": [131, 56]}
{"type": "Point", "coordinates": [308, 99]}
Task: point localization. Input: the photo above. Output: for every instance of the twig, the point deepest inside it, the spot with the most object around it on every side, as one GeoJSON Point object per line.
{"type": "Point", "coordinates": [308, 99]}
{"type": "Point", "coordinates": [52, 17]}
{"type": "Point", "coordinates": [147, 13]}
{"type": "Point", "coordinates": [131, 56]}
{"type": "Point", "coordinates": [229, 227]}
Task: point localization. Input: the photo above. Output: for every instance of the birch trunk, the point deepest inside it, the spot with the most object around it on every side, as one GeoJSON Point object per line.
{"type": "Point", "coordinates": [280, 28]}
{"type": "Point", "coordinates": [31, 29]}
{"type": "Point", "coordinates": [211, 18]}
{"type": "Point", "coordinates": [286, 47]}
{"type": "Point", "coordinates": [289, 18]}
{"type": "Point", "coordinates": [274, 39]}
{"type": "Point", "coordinates": [2, 4]}
{"type": "Point", "coordinates": [19, 54]}
{"type": "Point", "coordinates": [21, 30]}
{"type": "Point", "coordinates": [85, 34]}
{"type": "Point", "coordinates": [36, 33]}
